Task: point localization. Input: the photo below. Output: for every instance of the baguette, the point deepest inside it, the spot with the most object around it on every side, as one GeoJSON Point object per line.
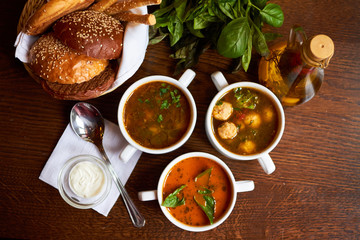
{"type": "Point", "coordinates": [125, 5]}
{"type": "Point", "coordinates": [148, 19]}
{"type": "Point", "coordinates": [102, 5]}
{"type": "Point", "coordinates": [52, 11]}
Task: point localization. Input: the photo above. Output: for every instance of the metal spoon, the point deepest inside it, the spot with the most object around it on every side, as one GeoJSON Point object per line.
{"type": "Point", "coordinates": [87, 123]}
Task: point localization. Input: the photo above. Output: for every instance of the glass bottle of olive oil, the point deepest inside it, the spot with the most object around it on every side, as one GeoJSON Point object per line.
{"type": "Point", "coordinates": [294, 70]}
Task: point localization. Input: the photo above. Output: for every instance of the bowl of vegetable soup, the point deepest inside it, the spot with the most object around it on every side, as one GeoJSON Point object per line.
{"type": "Point", "coordinates": [244, 121]}
{"type": "Point", "coordinates": [157, 114]}
{"type": "Point", "coordinates": [197, 191]}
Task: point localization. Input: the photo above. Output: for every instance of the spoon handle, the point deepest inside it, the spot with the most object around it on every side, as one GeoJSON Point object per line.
{"type": "Point", "coordinates": [136, 217]}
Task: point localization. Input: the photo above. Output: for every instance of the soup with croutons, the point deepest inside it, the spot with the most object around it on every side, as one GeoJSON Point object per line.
{"type": "Point", "coordinates": [157, 115]}
{"type": "Point", "coordinates": [244, 121]}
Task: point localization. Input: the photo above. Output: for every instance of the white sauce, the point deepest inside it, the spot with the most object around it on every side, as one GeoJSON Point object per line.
{"type": "Point", "coordinates": [86, 179]}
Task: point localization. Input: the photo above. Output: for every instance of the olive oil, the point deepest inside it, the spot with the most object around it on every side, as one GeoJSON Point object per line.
{"type": "Point", "coordinates": [294, 70]}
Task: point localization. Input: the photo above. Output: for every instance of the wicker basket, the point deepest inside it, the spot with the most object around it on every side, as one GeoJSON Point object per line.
{"type": "Point", "coordinates": [30, 7]}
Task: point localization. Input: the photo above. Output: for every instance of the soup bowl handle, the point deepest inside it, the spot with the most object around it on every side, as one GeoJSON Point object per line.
{"type": "Point", "coordinates": [127, 153]}
{"type": "Point", "coordinates": [244, 186]}
{"type": "Point", "coordinates": [147, 195]}
{"type": "Point", "coordinates": [219, 80]}
{"type": "Point", "coordinates": [267, 163]}
{"type": "Point", "coordinates": [187, 77]}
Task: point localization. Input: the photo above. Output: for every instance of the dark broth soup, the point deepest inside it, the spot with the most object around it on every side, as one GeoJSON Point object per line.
{"type": "Point", "coordinates": [157, 115]}
{"type": "Point", "coordinates": [244, 121]}
{"type": "Point", "coordinates": [201, 178]}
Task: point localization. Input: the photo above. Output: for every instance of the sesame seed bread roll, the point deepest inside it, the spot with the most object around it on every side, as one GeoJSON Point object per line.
{"type": "Point", "coordinates": [53, 61]}
{"type": "Point", "coordinates": [91, 33]}
{"type": "Point", "coordinates": [51, 11]}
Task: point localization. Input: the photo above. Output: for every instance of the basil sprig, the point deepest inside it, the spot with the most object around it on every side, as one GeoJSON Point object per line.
{"type": "Point", "coordinates": [208, 208]}
{"type": "Point", "coordinates": [233, 27]}
{"type": "Point", "coordinates": [172, 200]}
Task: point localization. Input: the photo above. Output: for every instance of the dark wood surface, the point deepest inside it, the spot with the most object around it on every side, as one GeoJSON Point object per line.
{"type": "Point", "coordinates": [313, 194]}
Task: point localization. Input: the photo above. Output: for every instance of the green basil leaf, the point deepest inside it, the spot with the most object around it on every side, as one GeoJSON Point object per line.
{"type": "Point", "coordinates": [259, 42]}
{"type": "Point", "coordinates": [209, 207]}
{"type": "Point", "coordinates": [259, 3]}
{"type": "Point", "coordinates": [246, 58]}
{"type": "Point", "coordinates": [218, 13]}
{"type": "Point", "coordinates": [272, 15]}
{"type": "Point", "coordinates": [234, 38]}
{"type": "Point", "coordinates": [172, 200]}
{"type": "Point", "coordinates": [227, 9]}
{"type": "Point", "coordinates": [194, 12]}
{"type": "Point", "coordinates": [164, 10]}
{"type": "Point", "coordinates": [195, 32]}
{"type": "Point", "coordinates": [156, 36]}
{"type": "Point", "coordinates": [180, 8]}
{"type": "Point", "coordinates": [203, 21]}
{"type": "Point", "coordinates": [176, 31]}
{"type": "Point", "coordinates": [205, 191]}
{"type": "Point", "coordinates": [206, 172]}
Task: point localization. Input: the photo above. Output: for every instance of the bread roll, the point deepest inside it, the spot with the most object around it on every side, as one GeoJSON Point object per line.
{"type": "Point", "coordinates": [55, 62]}
{"type": "Point", "coordinates": [91, 33]}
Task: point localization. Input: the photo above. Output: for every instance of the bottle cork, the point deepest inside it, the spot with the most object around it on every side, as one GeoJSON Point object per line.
{"type": "Point", "coordinates": [319, 50]}
{"type": "Point", "coordinates": [320, 47]}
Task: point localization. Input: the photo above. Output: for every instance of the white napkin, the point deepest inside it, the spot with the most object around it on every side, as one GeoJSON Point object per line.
{"type": "Point", "coordinates": [70, 145]}
{"type": "Point", "coordinates": [136, 39]}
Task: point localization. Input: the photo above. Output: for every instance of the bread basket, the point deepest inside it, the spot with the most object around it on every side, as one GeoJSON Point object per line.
{"type": "Point", "coordinates": [135, 44]}
{"type": "Point", "coordinates": [30, 7]}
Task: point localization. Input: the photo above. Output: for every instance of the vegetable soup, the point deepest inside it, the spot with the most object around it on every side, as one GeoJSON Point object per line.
{"type": "Point", "coordinates": [244, 121]}
{"type": "Point", "coordinates": [197, 191]}
{"type": "Point", "coordinates": [157, 115]}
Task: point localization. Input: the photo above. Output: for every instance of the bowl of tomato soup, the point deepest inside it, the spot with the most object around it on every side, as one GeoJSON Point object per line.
{"type": "Point", "coordinates": [197, 191]}
{"type": "Point", "coordinates": [157, 114]}
{"type": "Point", "coordinates": [244, 121]}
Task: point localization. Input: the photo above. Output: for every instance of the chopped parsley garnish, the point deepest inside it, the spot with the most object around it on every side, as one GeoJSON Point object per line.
{"type": "Point", "coordinates": [165, 104]}
{"type": "Point", "coordinates": [160, 118]}
{"type": "Point", "coordinates": [245, 99]}
{"type": "Point", "coordinates": [163, 91]}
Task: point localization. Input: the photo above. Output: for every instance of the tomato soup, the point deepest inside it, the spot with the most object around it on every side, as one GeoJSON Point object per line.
{"type": "Point", "coordinates": [157, 115]}
{"type": "Point", "coordinates": [199, 179]}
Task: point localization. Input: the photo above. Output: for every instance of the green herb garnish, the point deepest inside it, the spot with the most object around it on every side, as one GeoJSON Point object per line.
{"type": "Point", "coordinates": [140, 100]}
{"type": "Point", "coordinates": [175, 98]}
{"type": "Point", "coordinates": [165, 104]}
{"type": "Point", "coordinates": [233, 27]}
{"type": "Point", "coordinates": [160, 118]}
{"type": "Point", "coordinates": [219, 103]}
{"type": "Point", "coordinates": [172, 200]}
{"type": "Point", "coordinates": [208, 208]}
{"type": "Point", "coordinates": [245, 99]}
{"type": "Point", "coordinates": [147, 101]}
{"type": "Point", "coordinates": [205, 191]}
{"type": "Point", "coordinates": [163, 91]}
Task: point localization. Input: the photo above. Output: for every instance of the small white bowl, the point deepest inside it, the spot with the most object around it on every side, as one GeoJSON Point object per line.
{"type": "Point", "coordinates": [70, 196]}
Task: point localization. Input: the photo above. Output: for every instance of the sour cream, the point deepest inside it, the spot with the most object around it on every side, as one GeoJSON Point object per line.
{"type": "Point", "coordinates": [86, 179]}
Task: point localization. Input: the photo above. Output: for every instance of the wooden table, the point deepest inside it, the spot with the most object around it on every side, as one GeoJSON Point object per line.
{"type": "Point", "coordinates": [313, 194]}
